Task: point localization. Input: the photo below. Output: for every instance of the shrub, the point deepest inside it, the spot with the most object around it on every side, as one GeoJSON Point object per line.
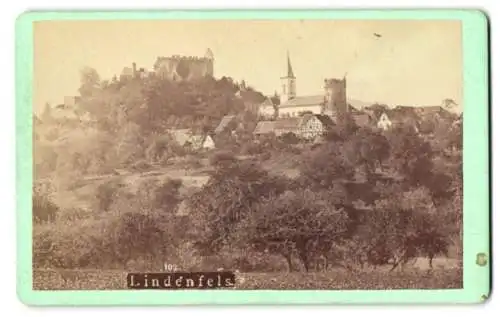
{"type": "Point", "coordinates": [167, 194]}
{"type": "Point", "coordinates": [44, 210]}
{"type": "Point", "coordinates": [141, 166]}
{"type": "Point", "coordinates": [106, 192]}
{"type": "Point", "coordinates": [158, 150]}
{"type": "Point", "coordinates": [251, 148]}
{"type": "Point", "coordinates": [289, 138]}
{"type": "Point", "coordinates": [192, 162]}
{"type": "Point", "coordinates": [223, 158]}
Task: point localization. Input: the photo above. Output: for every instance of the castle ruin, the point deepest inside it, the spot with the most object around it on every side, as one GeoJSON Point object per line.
{"type": "Point", "coordinates": [185, 68]}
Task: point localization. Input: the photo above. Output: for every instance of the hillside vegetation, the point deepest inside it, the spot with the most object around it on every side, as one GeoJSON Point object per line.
{"type": "Point", "coordinates": [114, 192]}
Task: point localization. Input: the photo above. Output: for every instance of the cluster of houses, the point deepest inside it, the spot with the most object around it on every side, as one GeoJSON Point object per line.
{"type": "Point", "coordinates": [307, 117]}
{"type": "Point", "coordinates": [309, 126]}
{"type": "Point", "coordinates": [311, 116]}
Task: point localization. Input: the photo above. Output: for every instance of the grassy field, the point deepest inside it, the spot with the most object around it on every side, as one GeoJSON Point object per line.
{"type": "Point", "coordinates": [83, 192]}
{"type": "Point", "coordinates": [333, 280]}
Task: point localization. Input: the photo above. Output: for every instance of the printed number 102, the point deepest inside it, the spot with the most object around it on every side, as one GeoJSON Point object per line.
{"type": "Point", "coordinates": [169, 267]}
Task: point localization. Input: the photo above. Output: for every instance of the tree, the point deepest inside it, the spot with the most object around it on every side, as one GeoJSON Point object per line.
{"type": "Point", "coordinates": [44, 209]}
{"type": "Point", "coordinates": [368, 149]}
{"type": "Point", "coordinates": [326, 166]}
{"type": "Point", "coordinates": [129, 144]}
{"type": "Point", "coordinates": [90, 81]}
{"type": "Point", "coordinates": [410, 155]}
{"type": "Point", "coordinates": [289, 138]}
{"type": "Point", "coordinates": [167, 195]}
{"type": "Point", "coordinates": [378, 109]}
{"type": "Point", "coordinates": [449, 103]}
{"type": "Point", "coordinates": [402, 227]}
{"type": "Point", "coordinates": [295, 219]}
{"type": "Point", "coordinates": [451, 136]}
{"type": "Point", "coordinates": [229, 196]}
{"type": "Point", "coordinates": [137, 235]}
{"type": "Point", "coordinates": [345, 125]}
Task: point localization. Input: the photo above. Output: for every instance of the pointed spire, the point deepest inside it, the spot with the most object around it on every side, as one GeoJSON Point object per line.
{"type": "Point", "coordinates": [290, 70]}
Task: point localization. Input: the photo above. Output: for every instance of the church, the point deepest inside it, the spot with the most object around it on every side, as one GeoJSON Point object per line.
{"type": "Point", "coordinates": [331, 103]}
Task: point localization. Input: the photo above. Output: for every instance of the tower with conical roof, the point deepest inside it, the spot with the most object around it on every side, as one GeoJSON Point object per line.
{"type": "Point", "coordinates": [288, 83]}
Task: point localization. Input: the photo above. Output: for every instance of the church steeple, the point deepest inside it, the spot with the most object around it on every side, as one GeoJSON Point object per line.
{"type": "Point", "coordinates": [290, 70]}
{"type": "Point", "coordinates": [288, 82]}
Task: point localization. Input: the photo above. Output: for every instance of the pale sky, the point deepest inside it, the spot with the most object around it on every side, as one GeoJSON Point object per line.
{"type": "Point", "coordinates": [413, 62]}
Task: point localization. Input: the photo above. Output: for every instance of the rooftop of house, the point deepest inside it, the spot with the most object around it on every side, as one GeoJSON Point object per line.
{"type": "Point", "coordinates": [362, 119]}
{"type": "Point", "coordinates": [324, 119]}
{"type": "Point", "coordinates": [301, 101]}
{"type": "Point", "coordinates": [431, 110]}
{"type": "Point", "coordinates": [291, 124]}
{"type": "Point", "coordinates": [184, 136]}
{"type": "Point", "coordinates": [264, 127]}
{"type": "Point", "coordinates": [224, 122]}
{"type": "Point", "coordinates": [287, 123]}
{"type": "Point", "coordinates": [268, 102]}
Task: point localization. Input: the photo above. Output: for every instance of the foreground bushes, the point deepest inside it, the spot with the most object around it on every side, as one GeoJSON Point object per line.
{"type": "Point", "coordinates": [138, 226]}
{"type": "Point", "coordinates": [44, 210]}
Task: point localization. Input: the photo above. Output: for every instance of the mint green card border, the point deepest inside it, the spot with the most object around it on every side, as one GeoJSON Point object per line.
{"type": "Point", "coordinates": [476, 279]}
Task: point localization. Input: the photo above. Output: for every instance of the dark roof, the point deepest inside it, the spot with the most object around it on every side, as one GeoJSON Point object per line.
{"type": "Point", "coordinates": [264, 127]}
{"type": "Point", "coordinates": [362, 119]}
{"type": "Point", "coordinates": [352, 109]}
{"type": "Point", "coordinates": [267, 103]}
{"type": "Point", "coordinates": [288, 123]}
{"type": "Point", "coordinates": [371, 113]}
{"type": "Point", "coordinates": [225, 121]}
{"type": "Point", "coordinates": [435, 110]}
{"type": "Point", "coordinates": [325, 120]}
{"type": "Point", "coordinates": [430, 109]}
{"type": "Point", "coordinates": [358, 104]}
{"type": "Point", "coordinates": [251, 96]}
{"type": "Point", "coordinates": [403, 114]}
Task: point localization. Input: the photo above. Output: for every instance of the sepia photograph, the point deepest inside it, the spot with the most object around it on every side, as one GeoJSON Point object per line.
{"type": "Point", "coordinates": [286, 154]}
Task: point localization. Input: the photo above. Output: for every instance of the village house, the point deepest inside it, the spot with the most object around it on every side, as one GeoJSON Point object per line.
{"type": "Point", "coordinates": [308, 126]}
{"type": "Point", "coordinates": [312, 126]}
{"type": "Point", "coordinates": [434, 113]}
{"type": "Point", "coordinates": [67, 112]}
{"type": "Point", "coordinates": [397, 117]}
{"type": "Point", "coordinates": [362, 119]}
{"type": "Point", "coordinates": [267, 109]}
{"type": "Point", "coordinates": [228, 124]}
{"type": "Point", "coordinates": [187, 139]}
{"type": "Point", "coordinates": [264, 127]}
{"type": "Point", "coordinates": [384, 122]}
{"type": "Point", "coordinates": [299, 105]}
